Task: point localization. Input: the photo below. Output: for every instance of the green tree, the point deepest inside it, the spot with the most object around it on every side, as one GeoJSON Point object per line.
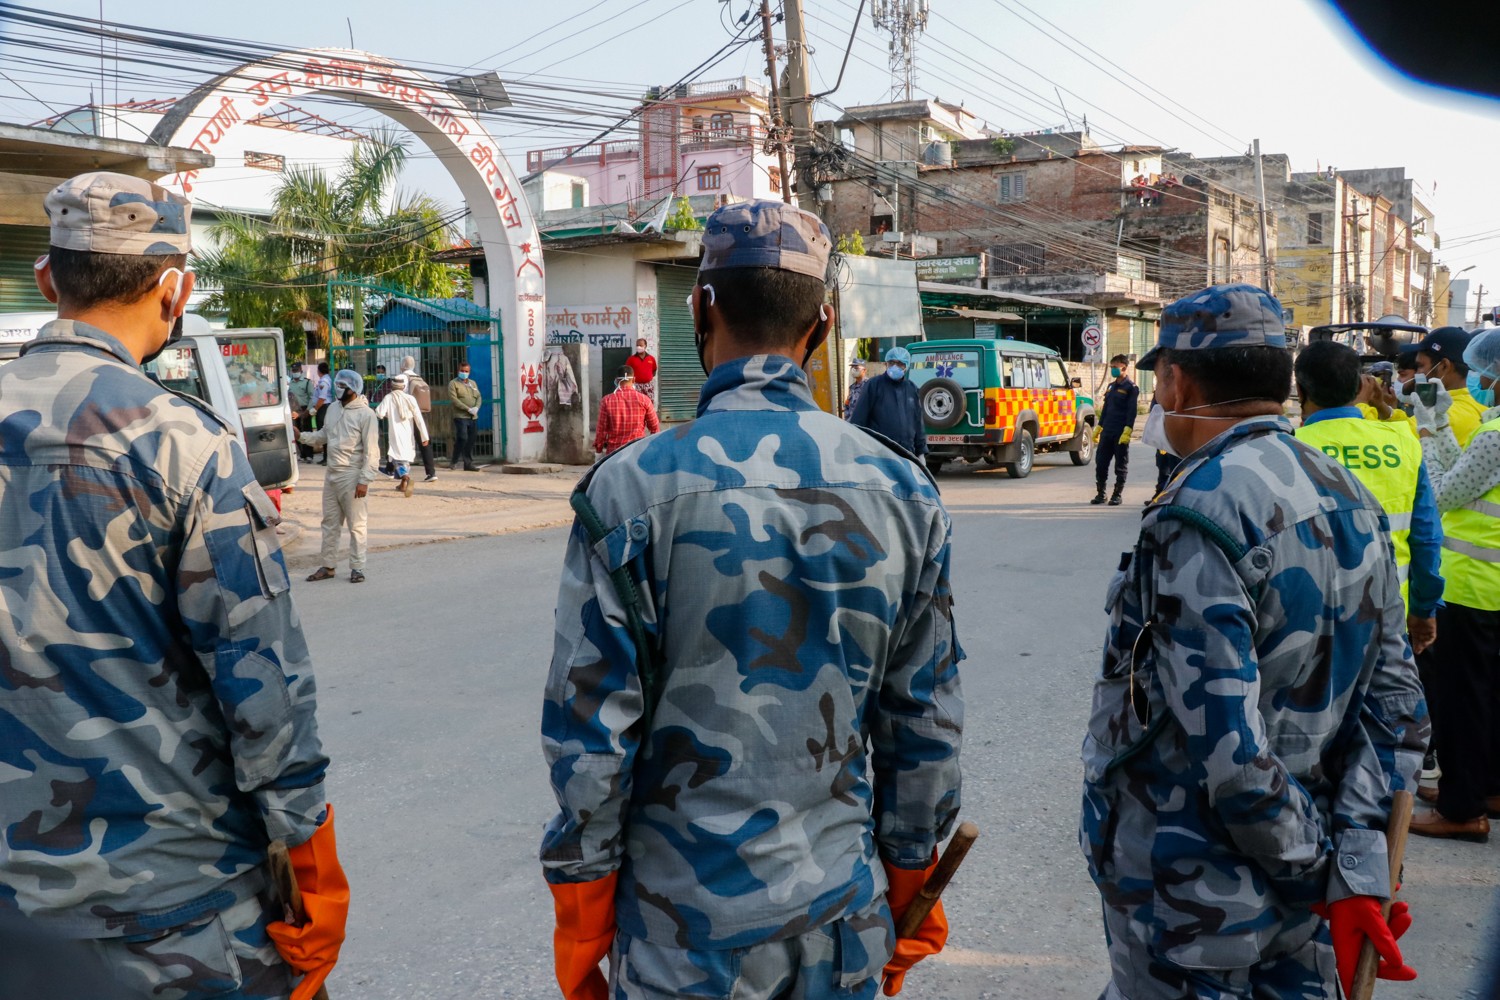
{"type": "Point", "coordinates": [354, 225]}
{"type": "Point", "coordinates": [852, 244]}
{"type": "Point", "coordinates": [1003, 146]}
{"type": "Point", "coordinates": [683, 218]}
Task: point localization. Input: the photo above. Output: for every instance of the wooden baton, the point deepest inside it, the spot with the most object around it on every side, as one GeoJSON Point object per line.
{"type": "Point", "coordinates": [285, 881]}
{"type": "Point", "coordinates": [953, 855]}
{"type": "Point", "coordinates": [1395, 851]}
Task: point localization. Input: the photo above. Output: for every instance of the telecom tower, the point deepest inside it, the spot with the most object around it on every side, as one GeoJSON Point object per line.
{"type": "Point", "coordinates": [905, 20]}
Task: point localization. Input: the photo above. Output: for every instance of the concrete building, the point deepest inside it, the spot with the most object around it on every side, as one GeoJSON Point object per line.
{"type": "Point", "coordinates": [702, 139]}
{"type": "Point", "coordinates": [906, 130]}
{"type": "Point", "coordinates": [1054, 215]}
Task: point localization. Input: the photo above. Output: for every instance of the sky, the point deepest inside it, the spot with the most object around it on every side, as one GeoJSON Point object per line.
{"type": "Point", "coordinates": [1202, 76]}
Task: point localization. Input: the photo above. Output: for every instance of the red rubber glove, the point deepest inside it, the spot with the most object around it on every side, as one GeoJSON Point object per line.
{"type": "Point", "coordinates": [931, 935]}
{"type": "Point", "coordinates": [312, 947]}
{"type": "Point", "coordinates": [585, 930]}
{"type": "Point", "coordinates": [1351, 921]}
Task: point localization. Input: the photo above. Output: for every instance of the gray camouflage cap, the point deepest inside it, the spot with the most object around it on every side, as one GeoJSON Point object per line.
{"type": "Point", "coordinates": [766, 234]}
{"type": "Point", "coordinates": [114, 213]}
{"type": "Point", "coordinates": [1219, 316]}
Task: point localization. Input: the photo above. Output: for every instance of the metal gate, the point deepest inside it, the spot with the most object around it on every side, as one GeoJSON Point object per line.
{"type": "Point", "coordinates": [681, 374]}
{"type": "Point", "coordinates": [440, 334]}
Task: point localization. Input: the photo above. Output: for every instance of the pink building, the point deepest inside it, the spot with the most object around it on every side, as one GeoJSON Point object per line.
{"type": "Point", "coordinates": [699, 139]}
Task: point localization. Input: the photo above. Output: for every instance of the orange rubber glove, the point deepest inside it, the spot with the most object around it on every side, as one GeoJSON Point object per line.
{"type": "Point", "coordinates": [931, 935]}
{"type": "Point", "coordinates": [1351, 921]}
{"type": "Point", "coordinates": [585, 930]}
{"type": "Point", "coordinates": [312, 947]}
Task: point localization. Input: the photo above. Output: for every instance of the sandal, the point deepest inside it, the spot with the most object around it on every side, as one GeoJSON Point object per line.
{"type": "Point", "coordinates": [355, 576]}
{"type": "Point", "coordinates": [323, 573]}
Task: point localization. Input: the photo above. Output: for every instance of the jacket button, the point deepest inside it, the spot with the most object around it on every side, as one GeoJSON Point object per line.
{"type": "Point", "coordinates": [639, 531]}
{"type": "Point", "coordinates": [1349, 861]}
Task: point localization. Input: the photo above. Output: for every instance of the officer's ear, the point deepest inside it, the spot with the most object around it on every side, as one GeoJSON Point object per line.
{"type": "Point", "coordinates": [822, 329]}
{"type": "Point", "coordinates": [42, 268]}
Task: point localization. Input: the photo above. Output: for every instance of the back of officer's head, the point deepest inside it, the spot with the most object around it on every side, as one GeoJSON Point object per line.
{"type": "Point", "coordinates": [1230, 341]}
{"type": "Point", "coordinates": [112, 238]}
{"type": "Point", "coordinates": [1328, 374]}
{"type": "Point", "coordinates": [767, 264]}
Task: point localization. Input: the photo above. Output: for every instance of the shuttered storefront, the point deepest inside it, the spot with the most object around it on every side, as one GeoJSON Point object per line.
{"type": "Point", "coordinates": [680, 376]}
{"type": "Point", "coordinates": [20, 246]}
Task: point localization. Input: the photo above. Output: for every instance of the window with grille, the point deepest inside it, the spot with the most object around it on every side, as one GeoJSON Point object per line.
{"type": "Point", "coordinates": [1017, 258]}
{"type": "Point", "coordinates": [708, 178]}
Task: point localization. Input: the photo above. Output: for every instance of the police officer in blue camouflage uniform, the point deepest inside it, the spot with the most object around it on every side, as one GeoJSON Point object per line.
{"type": "Point", "coordinates": [156, 700]}
{"type": "Point", "coordinates": [729, 826]}
{"type": "Point", "coordinates": [1258, 704]}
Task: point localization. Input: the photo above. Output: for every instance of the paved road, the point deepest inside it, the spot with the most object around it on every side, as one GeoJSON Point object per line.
{"type": "Point", "coordinates": [431, 677]}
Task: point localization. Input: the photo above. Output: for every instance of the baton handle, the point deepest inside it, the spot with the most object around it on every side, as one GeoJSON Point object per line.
{"type": "Point", "coordinates": [1395, 846]}
{"type": "Point", "coordinates": [285, 881]}
{"type": "Point", "coordinates": [927, 897]}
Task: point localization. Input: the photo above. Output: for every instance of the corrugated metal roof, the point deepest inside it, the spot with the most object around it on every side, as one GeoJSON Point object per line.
{"type": "Point", "coordinates": [963, 291]}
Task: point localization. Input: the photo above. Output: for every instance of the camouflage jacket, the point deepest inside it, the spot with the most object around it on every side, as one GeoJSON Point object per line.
{"type": "Point", "coordinates": [794, 577]}
{"type": "Point", "coordinates": [1242, 752]}
{"type": "Point", "coordinates": [156, 700]}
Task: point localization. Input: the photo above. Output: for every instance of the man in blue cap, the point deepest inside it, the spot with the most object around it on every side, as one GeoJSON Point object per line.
{"type": "Point", "coordinates": [1440, 358]}
{"type": "Point", "coordinates": [888, 406]}
{"type": "Point", "coordinates": [753, 716]}
{"type": "Point", "coordinates": [1258, 704]}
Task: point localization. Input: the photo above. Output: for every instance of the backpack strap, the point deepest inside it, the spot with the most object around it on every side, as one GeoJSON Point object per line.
{"type": "Point", "coordinates": [630, 599]}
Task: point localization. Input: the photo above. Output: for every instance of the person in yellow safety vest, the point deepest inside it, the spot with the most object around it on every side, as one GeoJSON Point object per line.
{"type": "Point", "coordinates": [1465, 692]}
{"type": "Point", "coordinates": [1387, 459]}
{"type": "Point", "coordinates": [1440, 358]}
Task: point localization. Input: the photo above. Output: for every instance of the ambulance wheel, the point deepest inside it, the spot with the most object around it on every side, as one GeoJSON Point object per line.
{"type": "Point", "coordinates": [942, 403]}
{"type": "Point", "coordinates": [1085, 450]}
{"type": "Point", "coordinates": [1025, 457]}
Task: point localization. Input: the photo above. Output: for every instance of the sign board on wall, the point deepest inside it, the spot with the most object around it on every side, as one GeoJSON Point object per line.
{"type": "Point", "coordinates": [949, 268]}
{"type": "Point", "coordinates": [879, 298]}
{"type": "Point", "coordinates": [610, 325]}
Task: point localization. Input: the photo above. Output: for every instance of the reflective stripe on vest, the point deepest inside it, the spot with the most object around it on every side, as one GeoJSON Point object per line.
{"type": "Point", "coordinates": [1471, 548]}
{"type": "Point", "coordinates": [1387, 458]}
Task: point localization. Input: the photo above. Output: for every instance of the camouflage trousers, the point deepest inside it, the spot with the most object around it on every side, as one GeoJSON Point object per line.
{"type": "Point", "coordinates": [1304, 971]}
{"type": "Point", "coordinates": [227, 956]}
{"type": "Point", "coordinates": [838, 961]}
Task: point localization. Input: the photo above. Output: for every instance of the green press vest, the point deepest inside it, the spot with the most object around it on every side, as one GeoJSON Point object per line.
{"type": "Point", "coordinates": [1387, 458]}
{"type": "Point", "coordinates": [1471, 547]}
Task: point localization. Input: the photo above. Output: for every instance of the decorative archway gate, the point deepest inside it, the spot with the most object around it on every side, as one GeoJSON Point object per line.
{"type": "Point", "coordinates": [512, 247]}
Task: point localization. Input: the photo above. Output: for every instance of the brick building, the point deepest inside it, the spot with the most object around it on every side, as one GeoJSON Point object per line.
{"type": "Point", "coordinates": [1054, 214]}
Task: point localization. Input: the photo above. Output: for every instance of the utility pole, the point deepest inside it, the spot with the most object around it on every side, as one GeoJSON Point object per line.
{"type": "Point", "coordinates": [1260, 193]}
{"type": "Point", "coordinates": [1359, 289]}
{"type": "Point", "coordinates": [1479, 306]}
{"type": "Point", "coordinates": [799, 110]}
{"type": "Point", "coordinates": [777, 137]}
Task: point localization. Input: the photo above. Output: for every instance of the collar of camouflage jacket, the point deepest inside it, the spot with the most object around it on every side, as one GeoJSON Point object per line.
{"type": "Point", "coordinates": [1237, 432]}
{"type": "Point", "coordinates": [759, 382]}
{"type": "Point", "coordinates": [72, 333]}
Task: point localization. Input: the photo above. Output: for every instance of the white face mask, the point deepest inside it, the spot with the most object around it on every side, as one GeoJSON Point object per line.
{"type": "Point", "coordinates": [1154, 434]}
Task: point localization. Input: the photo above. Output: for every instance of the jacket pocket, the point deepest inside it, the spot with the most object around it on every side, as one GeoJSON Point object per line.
{"type": "Point", "coordinates": [264, 517]}
{"type": "Point", "coordinates": [195, 961]}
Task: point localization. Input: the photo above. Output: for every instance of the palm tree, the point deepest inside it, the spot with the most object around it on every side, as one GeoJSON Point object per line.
{"type": "Point", "coordinates": [276, 273]}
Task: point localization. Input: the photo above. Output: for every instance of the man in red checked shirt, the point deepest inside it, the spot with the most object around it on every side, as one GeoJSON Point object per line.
{"type": "Point", "coordinates": [625, 415]}
{"type": "Point", "coordinates": [643, 366]}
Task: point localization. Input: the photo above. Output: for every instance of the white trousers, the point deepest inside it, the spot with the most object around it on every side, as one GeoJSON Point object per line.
{"type": "Point", "coordinates": [340, 505]}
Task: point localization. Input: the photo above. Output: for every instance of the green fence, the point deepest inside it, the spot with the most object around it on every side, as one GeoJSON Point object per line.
{"type": "Point", "coordinates": [380, 325]}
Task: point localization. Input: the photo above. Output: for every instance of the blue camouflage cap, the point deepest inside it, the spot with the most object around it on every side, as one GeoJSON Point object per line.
{"type": "Point", "coordinates": [1220, 316]}
{"type": "Point", "coordinates": [105, 212]}
{"type": "Point", "coordinates": [766, 234]}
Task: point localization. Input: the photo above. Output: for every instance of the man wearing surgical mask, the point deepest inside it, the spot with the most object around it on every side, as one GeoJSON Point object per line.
{"type": "Point", "coordinates": [1257, 702]}
{"type": "Point", "coordinates": [157, 721]}
{"type": "Point", "coordinates": [351, 437]}
{"type": "Point", "coordinates": [888, 405]}
{"type": "Point", "coordinates": [1440, 358]}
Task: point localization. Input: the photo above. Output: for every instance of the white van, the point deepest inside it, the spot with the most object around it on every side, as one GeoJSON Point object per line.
{"type": "Point", "coordinates": [197, 365]}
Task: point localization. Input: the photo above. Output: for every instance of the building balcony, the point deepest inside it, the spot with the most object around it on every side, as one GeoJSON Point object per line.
{"type": "Point", "coordinates": [1102, 290]}
{"type": "Point", "coordinates": [709, 88]}
{"type": "Point", "coordinates": [594, 154]}
{"type": "Point", "coordinates": [724, 137]}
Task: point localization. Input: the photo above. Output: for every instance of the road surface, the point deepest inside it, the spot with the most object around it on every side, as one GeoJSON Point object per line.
{"type": "Point", "coordinates": [430, 681]}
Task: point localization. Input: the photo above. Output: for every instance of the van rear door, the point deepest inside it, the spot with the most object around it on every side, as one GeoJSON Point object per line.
{"type": "Point", "coordinates": [256, 361]}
